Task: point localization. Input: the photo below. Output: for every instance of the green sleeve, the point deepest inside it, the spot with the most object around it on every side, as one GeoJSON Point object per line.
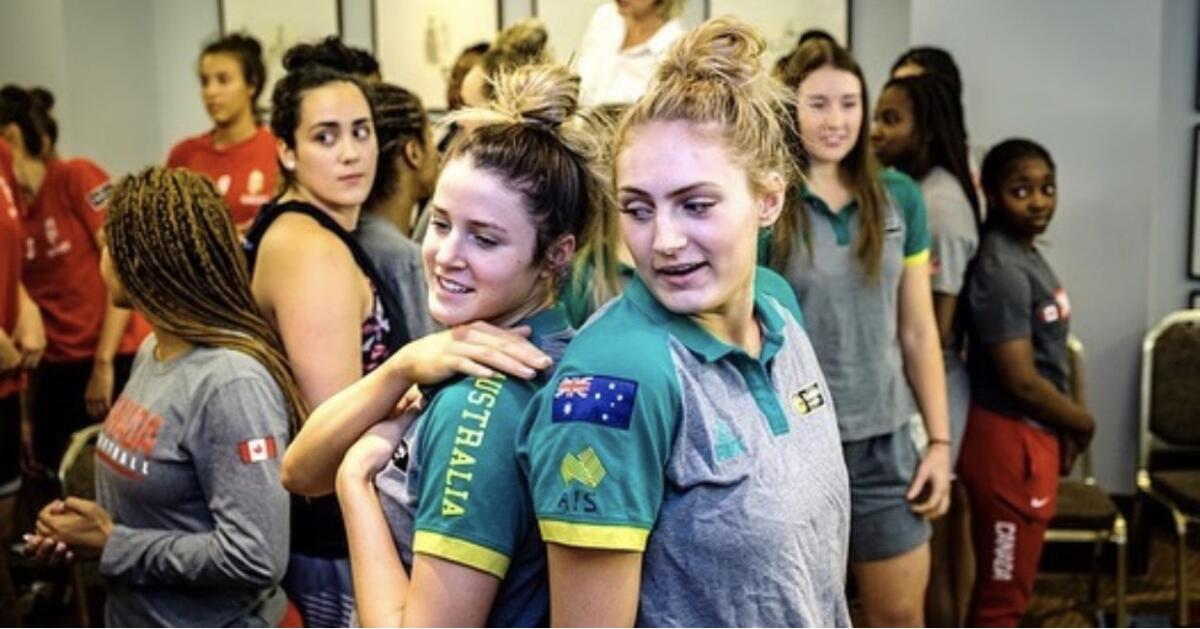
{"type": "Point", "coordinates": [596, 441]}
{"type": "Point", "coordinates": [907, 195]}
{"type": "Point", "coordinates": [472, 507]}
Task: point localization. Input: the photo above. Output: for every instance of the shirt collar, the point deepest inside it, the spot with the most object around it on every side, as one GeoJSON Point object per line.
{"type": "Point", "coordinates": [696, 338]}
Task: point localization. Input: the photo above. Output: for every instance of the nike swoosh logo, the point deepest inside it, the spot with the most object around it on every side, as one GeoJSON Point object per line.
{"type": "Point", "coordinates": [1038, 503]}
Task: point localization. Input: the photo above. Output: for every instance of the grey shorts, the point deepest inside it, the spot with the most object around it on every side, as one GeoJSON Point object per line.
{"type": "Point", "coordinates": [882, 524]}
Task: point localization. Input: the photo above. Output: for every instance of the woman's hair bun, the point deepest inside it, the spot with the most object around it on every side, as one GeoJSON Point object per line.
{"type": "Point", "coordinates": [545, 94]}
{"type": "Point", "coordinates": [721, 49]}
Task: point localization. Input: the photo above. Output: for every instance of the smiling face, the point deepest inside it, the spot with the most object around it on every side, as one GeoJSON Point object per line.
{"type": "Point", "coordinates": [223, 88]}
{"type": "Point", "coordinates": [1027, 197]}
{"type": "Point", "coordinates": [335, 154]}
{"type": "Point", "coordinates": [830, 113]}
{"type": "Point", "coordinates": [479, 251]}
{"type": "Point", "coordinates": [690, 217]}
{"type": "Point", "coordinates": [893, 136]}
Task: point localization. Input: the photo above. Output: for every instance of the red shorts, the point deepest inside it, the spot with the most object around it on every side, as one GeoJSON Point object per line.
{"type": "Point", "coordinates": [1009, 468]}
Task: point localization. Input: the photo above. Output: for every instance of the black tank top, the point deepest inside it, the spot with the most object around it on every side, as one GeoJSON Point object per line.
{"type": "Point", "coordinates": [316, 523]}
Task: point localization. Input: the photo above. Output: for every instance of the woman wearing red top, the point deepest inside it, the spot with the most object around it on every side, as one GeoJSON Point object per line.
{"type": "Point", "coordinates": [237, 153]}
{"type": "Point", "coordinates": [22, 341]}
{"type": "Point", "coordinates": [90, 344]}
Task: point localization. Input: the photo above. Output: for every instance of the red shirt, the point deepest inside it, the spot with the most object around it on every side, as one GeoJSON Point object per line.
{"type": "Point", "coordinates": [245, 173]}
{"type": "Point", "coordinates": [62, 261]}
{"type": "Point", "coordinates": [10, 257]}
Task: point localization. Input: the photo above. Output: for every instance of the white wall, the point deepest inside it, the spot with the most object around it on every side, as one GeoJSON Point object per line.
{"type": "Point", "coordinates": [1169, 288]}
{"type": "Point", "coordinates": [1083, 78]}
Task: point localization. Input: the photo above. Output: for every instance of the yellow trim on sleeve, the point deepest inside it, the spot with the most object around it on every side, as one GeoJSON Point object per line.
{"type": "Point", "coordinates": [917, 258]}
{"type": "Point", "coordinates": [605, 536]}
{"type": "Point", "coordinates": [461, 551]}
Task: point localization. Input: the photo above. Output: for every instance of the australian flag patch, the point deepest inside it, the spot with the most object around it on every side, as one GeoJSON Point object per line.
{"type": "Point", "coordinates": [599, 400]}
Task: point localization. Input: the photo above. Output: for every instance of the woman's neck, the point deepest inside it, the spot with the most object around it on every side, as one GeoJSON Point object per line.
{"type": "Point", "coordinates": [345, 217]}
{"type": "Point", "coordinates": [240, 129]}
{"type": "Point", "coordinates": [734, 324]}
{"type": "Point", "coordinates": [639, 30]}
{"type": "Point", "coordinates": [825, 181]}
{"type": "Point", "coordinates": [169, 346]}
{"type": "Point", "coordinates": [31, 177]}
{"type": "Point", "coordinates": [541, 298]}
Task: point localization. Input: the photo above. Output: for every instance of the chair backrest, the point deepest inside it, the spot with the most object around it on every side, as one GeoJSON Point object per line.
{"type": "Point", "coordinates": [1169, 410]}
{"type": "Point", "coordinates": [1077, 389]}
{"type": "Point", "coordinates": [77, 471]}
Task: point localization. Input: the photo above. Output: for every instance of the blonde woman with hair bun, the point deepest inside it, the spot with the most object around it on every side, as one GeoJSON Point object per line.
{"type": "Point", "coordinates": [684, 462]}
{"type": "Point", "coordinates": [440, 531]}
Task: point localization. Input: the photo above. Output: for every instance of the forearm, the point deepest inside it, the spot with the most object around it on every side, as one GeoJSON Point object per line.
{"type": "Point", "coordinates": [381, 583]}
{"type": "Point", "coordinates": [926, 373]}
{"type": "Point", "coordinates": [1043, 402]}
{"type": "Point", "coordinates": [311, 463]}
{"type": "Point", "coordinates": [111, 330]}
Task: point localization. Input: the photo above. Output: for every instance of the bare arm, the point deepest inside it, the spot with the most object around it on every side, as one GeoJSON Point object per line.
{"type": "Point", "coordinates": [307, 281]}
{"type": "Point", "coordinates": [30, 333]}
{"type": "Point", "coordinates": [944, 308]}
{"type": "Point", "coordinates": [919, 343]}
{"type": "Point", "coordinates": [311, 462]}
{"type": "Point", "coordinates": [593, 588]}
{"type": "Point", "coordinates": [439, 593]}
{"type": "Point", "coordinates": [98, 395]}
{"type": "Point", "coordinates": [1016, 368]}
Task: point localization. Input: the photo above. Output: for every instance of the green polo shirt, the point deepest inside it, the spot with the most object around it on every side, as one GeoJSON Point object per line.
{"type": "Point", "coordinates": [655, 437]}
{"type": "Point", "coordinates": [453, 489]}
{"type": "Point", "coordinates": [854, 322]}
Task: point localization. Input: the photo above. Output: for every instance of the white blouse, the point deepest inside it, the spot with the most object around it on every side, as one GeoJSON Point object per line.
{"type": "Point", "coordinates": [611, 75]}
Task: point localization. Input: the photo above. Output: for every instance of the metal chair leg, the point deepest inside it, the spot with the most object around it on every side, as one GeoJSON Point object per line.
{"type": "Point", "coordinates": [1181, 580]}
{"type": "Point", "coordinates": [1119, 540]}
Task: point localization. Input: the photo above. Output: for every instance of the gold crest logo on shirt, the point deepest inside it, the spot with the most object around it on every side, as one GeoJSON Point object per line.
{"type": "Point", "coordinates": [584, 467]}
{"type": "Point", "coordinates": [808, 399]}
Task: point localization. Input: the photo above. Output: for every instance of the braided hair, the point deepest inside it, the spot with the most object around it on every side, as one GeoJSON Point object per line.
{"type": "Point", "coordinates": [175, 249]}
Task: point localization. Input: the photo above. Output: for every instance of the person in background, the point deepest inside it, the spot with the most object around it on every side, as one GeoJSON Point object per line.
{"type": "Point", "coordinates": [90, 342]}
{"type": "Point", "coordinates": [314, 283]}
{"type": "Point", "coordinates": [919, 130]}
{"type": "Point", "coordinates": [855, 250]}
{"type": "Point", "coordinates": [1024, 428]}
{"type": "Point", "coordinates": [683, 462]}
{"type": "Point", "coordinates": [190, 522]}
{"type": "Point", "coordinates": [404, 181]}
{"type": "Point", "coordinates": [467, 59]}
{"type": "Point", "coordinates": [238, 153]}
{"type": "Point", "coordinates": [22, 341]}
{"type": "Point", "coordinates": [623, 45]}
{"type": "Point", "coordinates": [932, 60]}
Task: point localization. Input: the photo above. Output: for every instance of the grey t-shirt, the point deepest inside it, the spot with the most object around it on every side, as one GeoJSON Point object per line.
{"type": "Point", "coordinates": [853, 322]}
{"type": "Point", "coordinates": [1013, 293]}
{"type": "Point", "coordinates": [187, 465]}
{"type": "Point", "coordinates": [398, 261]}
{"type": "Point", "coordinates": [952, 231]}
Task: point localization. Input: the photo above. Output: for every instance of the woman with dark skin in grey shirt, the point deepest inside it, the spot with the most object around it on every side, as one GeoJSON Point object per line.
{"type": "Point", "coordinates": [190, 525]}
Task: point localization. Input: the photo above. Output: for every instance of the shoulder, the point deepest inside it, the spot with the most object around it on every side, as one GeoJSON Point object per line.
{"type": "Point", "coordinates": [621, 342]}
{"type": "Point", "coordinates": [184, 149]}
{"type": "Point", "coordinates": [774, 286]}
{"type": "Point", "coordinates": [382, 239]}
{"type": "Point", "coordinates": [903, 190]}
{"type": "Point", "coordinates": [296, 239]}
{"type": "Point", "coordinates": [499, 394]}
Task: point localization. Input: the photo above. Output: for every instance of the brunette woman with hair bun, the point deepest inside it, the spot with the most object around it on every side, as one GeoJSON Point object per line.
{"type": "Point", "coordinates": [238, 153]}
